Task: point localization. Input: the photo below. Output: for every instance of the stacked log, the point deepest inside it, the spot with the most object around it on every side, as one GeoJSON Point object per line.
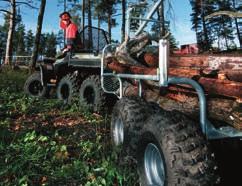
{"type": "Point", "coordinates": [220, 76]}
{"type": "Point", "coordinates": [230, 66]}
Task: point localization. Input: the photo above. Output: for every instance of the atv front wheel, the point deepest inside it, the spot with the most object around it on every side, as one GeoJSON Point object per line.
{"type": "Point", "coordinates": [128, 117]}
{"type": "Point", "coordinates": [67, 88]}
{"type": "Point", "coordinates": [34, 87]}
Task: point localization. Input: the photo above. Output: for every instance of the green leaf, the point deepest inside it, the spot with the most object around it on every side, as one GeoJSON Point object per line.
{"type": "Point", "coordinates": [43, 138]}
{"type": "Point", "coordinates": [63, 148]}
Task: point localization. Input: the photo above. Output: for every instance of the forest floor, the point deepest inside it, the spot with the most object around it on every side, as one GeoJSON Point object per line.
{"type": "Point", "coordinates": [43, 142]}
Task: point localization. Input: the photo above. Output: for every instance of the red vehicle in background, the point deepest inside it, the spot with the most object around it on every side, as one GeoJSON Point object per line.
{"type": "Point", "coordinates": [187, 49]}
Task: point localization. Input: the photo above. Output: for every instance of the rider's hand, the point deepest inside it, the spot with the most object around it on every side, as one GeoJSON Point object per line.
{"type": "Point", "coordinates": [65, 50]}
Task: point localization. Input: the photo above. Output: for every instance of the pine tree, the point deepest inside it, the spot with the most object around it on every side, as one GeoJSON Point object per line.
{"type": "Point", "coordinates": [107, 9]}
{"type": "Point", "coordinates": [136, 12]}
{"type": "Point", "coordinates": [89, 16]}
{"type": "Point", "coordinates": [2, 38]}
{"type": "Point", "coordinates": [50, 45]}
{"type": "Point", "coordinates": [4, 32]}
{"type": "Point", "coordinates": [75, 12]}
{"type": "Point", "coordinates": [196, 19]}
{"type": "Point", "coordinates": [29, 42]}
{"type": "Point", "coordinates": [19, 36]}
{"type": "Point", "coordinates": [237, 6]}
{"type": "Point", "coordinates": [218, 29]}
{"type": "Point", "coordinates": [156, 33]}
{"type": "Point", "coordinates": [42, 44]}
{"type": "Point", "coordinates": [226, 33]}
{"type": "Point", "coordinates": [19, 40]}
{"type": "Point", "coordinates": [60, 39]}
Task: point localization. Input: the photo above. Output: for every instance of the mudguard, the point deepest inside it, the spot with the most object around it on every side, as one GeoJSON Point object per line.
{"type": "Point", "coordinates": [46, 72]}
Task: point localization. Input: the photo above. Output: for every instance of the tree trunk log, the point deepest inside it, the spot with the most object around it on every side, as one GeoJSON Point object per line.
{"type": "Point", "coordinates": [83, 22]}
{"type": "Point", "coordinates": [123, 28]}
{"type": "Point", "coordinates": [90, 41]}
{"type": "Point", "coordinates": [110, 25]}
{"type": "Point", "coordinates": [38, 35]}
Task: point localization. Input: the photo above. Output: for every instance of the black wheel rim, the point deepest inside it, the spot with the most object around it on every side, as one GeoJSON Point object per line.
{"type": "Point", "coordinates": [89, 95]}
{"type": "Point", "coordinates": [35, 88]}
{"type": "Point", "coordinates": [65, 92]}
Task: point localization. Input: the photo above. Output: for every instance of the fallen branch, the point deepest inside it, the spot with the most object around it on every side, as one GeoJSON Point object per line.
{"type": "Point", "coordinates": [227, 13]}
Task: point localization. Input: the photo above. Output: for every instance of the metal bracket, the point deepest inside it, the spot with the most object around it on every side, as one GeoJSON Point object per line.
{"type": "Point", "coordinates": [207, 127]}
{"type": "Point", "coordinates": [41, 75]}
{"type": "Point", "coordinates": [222, 132]}
{"type": "Point", "coordinates": [164, 54]}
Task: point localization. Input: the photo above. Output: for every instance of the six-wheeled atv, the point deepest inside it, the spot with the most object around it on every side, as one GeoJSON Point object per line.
{"type": "Point", "coordinates": [75, 76]}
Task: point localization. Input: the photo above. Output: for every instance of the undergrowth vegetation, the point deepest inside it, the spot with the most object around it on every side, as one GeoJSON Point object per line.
{"type": "Point", "coordinates": [43, 142]}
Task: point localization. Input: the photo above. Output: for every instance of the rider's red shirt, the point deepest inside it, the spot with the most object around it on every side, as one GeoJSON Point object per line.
{"type": "Point", "coordinates": [71, 31]}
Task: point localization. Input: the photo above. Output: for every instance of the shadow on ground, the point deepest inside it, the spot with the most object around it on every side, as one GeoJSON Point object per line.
{"type": "Point", "coordinates": [229, 158]}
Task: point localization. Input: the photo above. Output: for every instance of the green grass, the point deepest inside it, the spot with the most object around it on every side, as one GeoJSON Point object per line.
{"type": "Point", "coordinates": [43, 142]}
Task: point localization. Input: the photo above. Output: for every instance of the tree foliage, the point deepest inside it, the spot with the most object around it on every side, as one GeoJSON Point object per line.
{"type": "Point", "coordinates": [9, 8]}
{"type": "Point", "coordinates": [23, 40]}
{"type": "Point", "coordinates": [217, 30]}
{"type": "Point", "coordinates": [107, 9]}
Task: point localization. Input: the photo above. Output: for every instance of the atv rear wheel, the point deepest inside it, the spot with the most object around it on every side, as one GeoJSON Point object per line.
{"type": "Point", "coordinates": [91, 94]}
{"type": "Point", "coordinates": [172, 151]}
{"type": "Point", "coordinates": [128, 116]}
{"type": "Point", "coordinates": [34, 87]}
{"type": "Point", "coordinates": [67, 88]}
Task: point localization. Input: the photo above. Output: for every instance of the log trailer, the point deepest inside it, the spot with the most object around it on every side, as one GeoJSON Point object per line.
{"type": "Point", "coordinates": [169, 146]}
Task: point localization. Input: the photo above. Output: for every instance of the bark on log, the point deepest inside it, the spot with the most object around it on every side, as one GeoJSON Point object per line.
{"type": "Point", "coordinates": [210, 62]}
{"type": "Point", "coordinates": [188, 73]}
{"type": "Point", "coordinates": [225, 62]}
{"type": "Point", "coordinates": [233, 75]}
{"type": "Point", "coordinates": [203, 62]}
{"type": "Point", "coordinates": [151, 60]}
{"type": "Point", "coordinates": [198, 62]}
{"type": "Point", "coordinates": [221, 87]}
{"type": "Point", "coordinates": [127, 69]}
{"type": "Point", "coordinates": [118, 67]}
{"type": "Point", "coordinates": [231, 66]}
